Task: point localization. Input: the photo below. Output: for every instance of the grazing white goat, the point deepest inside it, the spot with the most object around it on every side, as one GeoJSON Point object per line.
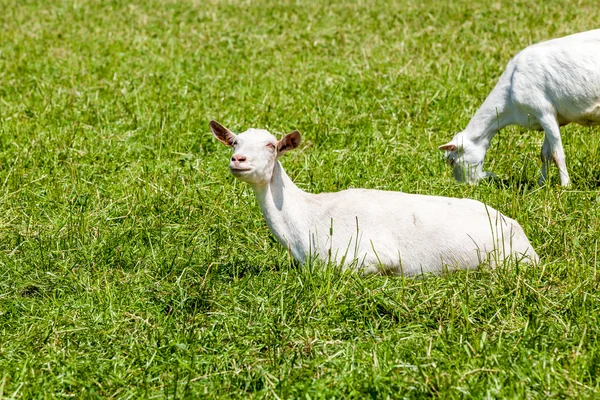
{"type": "Point", "coordinates": [545, 86]}
{"type": "Point", "coordinates": [370, 230]}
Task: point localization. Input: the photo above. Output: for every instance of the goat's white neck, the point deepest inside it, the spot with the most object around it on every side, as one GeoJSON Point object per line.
{"type": "Point", "coordinates": [283, 205]}
{"type": "Point", "coordinates": [493, 115]}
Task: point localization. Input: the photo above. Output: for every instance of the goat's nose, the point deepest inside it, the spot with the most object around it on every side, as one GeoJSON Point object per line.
{"type": "Point", "coordinates": [238, 158]}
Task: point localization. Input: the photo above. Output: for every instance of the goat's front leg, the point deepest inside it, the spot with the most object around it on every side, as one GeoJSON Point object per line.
{"type": "Point", "coordinates": [546, 156]}
{"type": "Point", "coordinates": [552, 149]}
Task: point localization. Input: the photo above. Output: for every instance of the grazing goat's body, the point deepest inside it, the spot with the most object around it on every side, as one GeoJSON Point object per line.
{"type": "Point", "coordinates": [543, 87]}
{"type": "Point", "coordinates": [371, 230]}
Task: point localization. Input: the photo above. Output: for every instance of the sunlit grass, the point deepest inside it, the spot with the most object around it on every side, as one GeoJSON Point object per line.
{"type": "Point", "coordinates": [132, 264]}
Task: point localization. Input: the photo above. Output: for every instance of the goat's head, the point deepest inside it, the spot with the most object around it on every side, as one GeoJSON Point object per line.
{"type": "Point", "coordinates": [466, 159]}
{"type": "Point", "coordinates": [255, 151]}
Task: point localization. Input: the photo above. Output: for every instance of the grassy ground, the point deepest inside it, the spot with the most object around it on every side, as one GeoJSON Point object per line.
{"type": "Point", "coordinates": [132, 264]}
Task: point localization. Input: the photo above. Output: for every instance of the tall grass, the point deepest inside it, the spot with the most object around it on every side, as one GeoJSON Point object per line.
{"type": "Point", "coordinates": [133, 265]}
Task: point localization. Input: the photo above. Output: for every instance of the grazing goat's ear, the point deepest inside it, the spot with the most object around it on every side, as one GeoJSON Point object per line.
{"type": "Point", "coordinates": [224, 135]}
{"type": "Point", "coordinates": [447, 147]}
{"type": "Point", "coordinates": [288, 142]}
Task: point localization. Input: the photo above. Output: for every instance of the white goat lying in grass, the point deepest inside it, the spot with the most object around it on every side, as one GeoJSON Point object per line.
{"type": "Point", "coordinates": [545, 86]}
{"type": "Point", "coordinates": [371, 230]}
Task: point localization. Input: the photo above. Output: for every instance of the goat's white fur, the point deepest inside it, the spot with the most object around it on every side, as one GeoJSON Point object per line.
{"type": "Point", "coordinates": [543, 87]}
{"type": "Point", "coordinates": [370, 230]}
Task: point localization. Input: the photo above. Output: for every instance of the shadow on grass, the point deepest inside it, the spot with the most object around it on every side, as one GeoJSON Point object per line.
{"type": "Point", "coordinates": [523, 183]}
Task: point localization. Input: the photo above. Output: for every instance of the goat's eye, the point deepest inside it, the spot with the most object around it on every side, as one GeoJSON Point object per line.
{"type": "Point", "coordinates": [271, 146]}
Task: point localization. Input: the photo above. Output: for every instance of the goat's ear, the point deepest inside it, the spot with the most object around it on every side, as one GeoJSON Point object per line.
{"type": "Point", "coordinates": [289, 142]}
{"type": "Point", "coordinates": [224, 135]}
{"type": "Point", "coordinates": [447, 147]}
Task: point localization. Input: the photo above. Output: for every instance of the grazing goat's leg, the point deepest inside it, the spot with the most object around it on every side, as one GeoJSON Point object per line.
{"type": "Point", "coordinates": [553, 149]}
{"type": "Point", "coordinates": [546, 156]}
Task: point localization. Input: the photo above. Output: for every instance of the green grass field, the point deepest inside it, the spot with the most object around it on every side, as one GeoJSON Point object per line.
{"type": "Point", "coordinates": [132, 264]}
